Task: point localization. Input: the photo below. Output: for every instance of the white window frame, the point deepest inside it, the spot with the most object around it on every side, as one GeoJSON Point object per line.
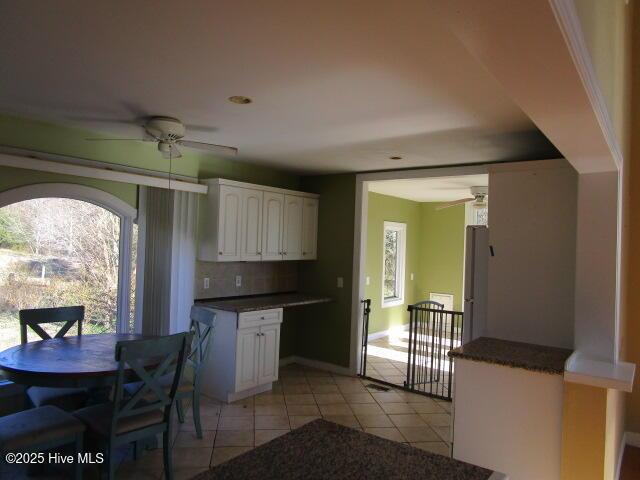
{"type": "Point", "coordinates": [125, 212]}
{"type": "Point", "coordinates": [401, 228]}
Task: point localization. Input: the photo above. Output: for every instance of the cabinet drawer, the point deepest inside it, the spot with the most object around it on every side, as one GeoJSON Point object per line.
{"type": "Point", "coordinates": [259, 317]}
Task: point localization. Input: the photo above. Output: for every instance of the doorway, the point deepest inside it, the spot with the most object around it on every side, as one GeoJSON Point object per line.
{"type": "Point", "coordinates": [412, 269]}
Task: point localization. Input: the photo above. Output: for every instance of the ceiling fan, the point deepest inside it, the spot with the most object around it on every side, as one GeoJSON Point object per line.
{"type": "Point", "coordinates": [169, 133]}
{"type": "Point", "coordinates": [479, 199]}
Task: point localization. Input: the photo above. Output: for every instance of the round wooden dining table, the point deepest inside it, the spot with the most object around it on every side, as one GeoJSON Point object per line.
{"type": "Point", "coordinates": [79, 361]}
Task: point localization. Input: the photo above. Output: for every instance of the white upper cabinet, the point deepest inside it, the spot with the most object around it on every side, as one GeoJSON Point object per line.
{"type": "Point", "coordinates": [292, 238]}
{"type": "Point", "coordinates": [245, 222]}
{"type": "Point", "coordinates": [251, 232]}
{"type": "Point", "coordinates": [310, 229]}
{"type": "Point", "coordinates": [272, 221]}
{"type": "Point", "coordinates": [229, 233]}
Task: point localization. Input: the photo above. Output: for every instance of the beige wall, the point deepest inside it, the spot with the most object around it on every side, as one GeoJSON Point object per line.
{"type": "Point", "coordinates": [611, 40]}
{"type": "Point", "coordinates": [631, 334]}
{"type": "Point", "coordinates": [533, 233]}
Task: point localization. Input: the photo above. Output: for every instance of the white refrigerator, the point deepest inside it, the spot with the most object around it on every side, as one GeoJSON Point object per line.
{"type": "Point", "coordinates": [476, 278]}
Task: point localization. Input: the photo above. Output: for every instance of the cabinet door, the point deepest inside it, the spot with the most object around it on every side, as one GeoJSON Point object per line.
{"type": "Point", "coordinates": [310, 229]}
{"type": "Point", "coordinates": [269, 353]}
{"type": "Point", "coordinates": [292, 232]}
{"type": "Point", "coordinates": [272, 221]}
{"type": "Point", "coordinates": [251, 225]}
{"type": "Point", "coordinates": [229, 225]}
{"type": "Point", "coordinates": [247, 358]}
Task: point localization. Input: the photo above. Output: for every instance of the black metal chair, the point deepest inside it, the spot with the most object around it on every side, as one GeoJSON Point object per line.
{"type": "Point", "coordinates": [148, 411]}
{"type": "Point", "coordinates": [68, 399]}
{"type": "Point", "coordinates": [40, 429]}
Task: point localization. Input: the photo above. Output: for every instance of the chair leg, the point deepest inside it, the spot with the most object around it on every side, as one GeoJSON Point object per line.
{"type": "Point", "coordinates": [136, 449]}
{"type": "Point", "coordinates": [180, 410]}
{"type": "Point", "coordinates": [166, 454]}
{"type": "Point", "coordinates": [196, 413]}
{"type": "Point", "coordinates": [111, 472]}
{"type": "Point", "coordinates": [78, 465]}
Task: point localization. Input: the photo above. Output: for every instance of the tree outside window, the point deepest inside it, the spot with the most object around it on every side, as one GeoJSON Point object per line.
{"type": "Point", "coordinates": [394, 248]}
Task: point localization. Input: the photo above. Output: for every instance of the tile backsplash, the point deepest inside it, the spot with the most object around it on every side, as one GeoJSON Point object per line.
{"type": "Point", "coordinates": [257, 278]}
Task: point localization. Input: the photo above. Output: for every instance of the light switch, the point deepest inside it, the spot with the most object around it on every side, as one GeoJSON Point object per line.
{"type": "Point", "coordinates": [206, 283]}
{"type": "Point", "coordinates": [340, 282]}
{"type": "Point", "coordinates": [238, 280]}
{"type": "Point", "coordinates": [412, 277]}
{"type": "Point", "coordinates": [367, 280]}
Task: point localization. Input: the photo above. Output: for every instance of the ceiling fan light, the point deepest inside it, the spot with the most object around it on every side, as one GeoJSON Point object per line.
{"type": "Point", "coordinates": [479, 204]}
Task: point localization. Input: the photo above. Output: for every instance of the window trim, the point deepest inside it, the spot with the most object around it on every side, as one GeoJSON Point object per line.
{"type": "Point", "coordinates": [400, 266]}
{"type": "Point", "coordinates": [125, 212]}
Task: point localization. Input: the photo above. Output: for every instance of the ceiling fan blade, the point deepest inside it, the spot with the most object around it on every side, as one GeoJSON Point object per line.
{"type": "Point", "coordinates": [209, 147]}
{"type": "Point", "coordinates": [454, 203]}
{"type": "Point", "coordinates": [114, 139]}
{"type": "Point", "coordinates": [81, 118]}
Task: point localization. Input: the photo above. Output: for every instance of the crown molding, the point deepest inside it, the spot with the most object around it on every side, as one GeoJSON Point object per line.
{"type": "Point", "coordinates": [571, 28]}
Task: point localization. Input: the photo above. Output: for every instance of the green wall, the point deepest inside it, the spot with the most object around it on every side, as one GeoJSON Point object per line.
{"type": "Point", "coordinates": [435, 255]}
{"type": "Point", "coordinates": [47, 137]}
{"type": "Point", "coordinates": [442, 258]}
{"type": "Point", "coordinates": [324, 331]}
{"type": "Point", "coordinates": [383, 208]}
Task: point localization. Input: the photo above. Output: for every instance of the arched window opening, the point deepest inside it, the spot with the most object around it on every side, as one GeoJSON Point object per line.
{"type": "Point", "coordinates": [64, 251]}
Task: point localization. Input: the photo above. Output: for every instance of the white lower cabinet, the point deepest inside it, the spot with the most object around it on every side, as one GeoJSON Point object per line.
{"type": "Point", "coordinates": [269, 349]}
{"type": "Point", "coordinates": [245, 354]}
{"type": "Point", "coordinates": [247, 358]}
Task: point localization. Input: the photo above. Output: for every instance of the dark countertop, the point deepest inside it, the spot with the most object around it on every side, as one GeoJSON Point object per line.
{"type": "Point", "coordinates": [264, 302]}
{"type": "Point", "coordinates": [323, 449]}
{"type": "Point", "coordinates": [528, 356]}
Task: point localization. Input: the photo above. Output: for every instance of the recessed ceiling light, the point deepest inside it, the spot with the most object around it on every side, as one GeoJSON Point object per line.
{"type": "Point", "coordinates": [240, 100]}
{"type": "Point", "coordinates": [395, 157]}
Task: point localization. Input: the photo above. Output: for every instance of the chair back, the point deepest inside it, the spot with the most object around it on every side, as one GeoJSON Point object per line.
{"type": "Point", "coordinates": [34, 317]}
{"type": "Point", "coordinates": [202, 324]}
{"type": "Point", "coordinates": [149, 359]}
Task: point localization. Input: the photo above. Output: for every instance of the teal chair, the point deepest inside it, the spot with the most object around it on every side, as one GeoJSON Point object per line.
{"type": "Point", "coordinates": [146, 413]}
{"type": "Point", "coordinates": [202, 325]}
{"type": "Point", "coordinates": [68, 399]}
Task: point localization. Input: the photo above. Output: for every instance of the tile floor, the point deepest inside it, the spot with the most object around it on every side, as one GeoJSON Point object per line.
{"type": "Point", "coordinates": [301, 395]}
{"type": "Point", "coordinates": [387, 361]}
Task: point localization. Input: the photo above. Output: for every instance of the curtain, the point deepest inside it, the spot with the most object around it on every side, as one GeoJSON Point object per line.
{"type": "Point", "coordinates": [183, 259]}
{"type": "Point", "coordinates": [158, 237]}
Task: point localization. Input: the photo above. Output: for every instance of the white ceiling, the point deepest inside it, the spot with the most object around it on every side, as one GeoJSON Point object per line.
{"type": "Point", "coordinates": [337, 86]}
{"type": "Point", "coordinates": [437, 189]}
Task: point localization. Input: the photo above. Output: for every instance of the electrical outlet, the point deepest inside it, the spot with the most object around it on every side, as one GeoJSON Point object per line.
{"type": "Point", "coordinates": [206, 283]}
{"type": "Point", "coordinates": [367, 280]}
{"type": "Point", "coordinates": [340, 282]}
{"type": "Point", "coordinates": [238, 281]}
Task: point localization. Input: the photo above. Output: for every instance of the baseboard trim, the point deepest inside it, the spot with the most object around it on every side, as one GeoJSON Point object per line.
{"type": "Point", "coordinates": [308, 362]}
{"type": "Point", "coordinates": [386, 333]}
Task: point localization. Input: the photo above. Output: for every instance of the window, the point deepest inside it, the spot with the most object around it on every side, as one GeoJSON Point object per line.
{"type": "Point", "coordinates": [393, 252]}
{"type": "Point", "coordinates": [63, 251]}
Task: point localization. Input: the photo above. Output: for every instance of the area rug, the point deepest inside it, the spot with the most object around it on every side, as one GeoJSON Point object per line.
{"type": "Point", "coordinates": [323, 449]}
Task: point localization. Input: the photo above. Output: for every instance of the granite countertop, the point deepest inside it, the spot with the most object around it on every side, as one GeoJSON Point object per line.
{"type": "Point", "coordinates": [264, 302]}
{"type": "Point", "coordinates": [538, 358]}
{"type": "Point", "coordinates": [323, 449]}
